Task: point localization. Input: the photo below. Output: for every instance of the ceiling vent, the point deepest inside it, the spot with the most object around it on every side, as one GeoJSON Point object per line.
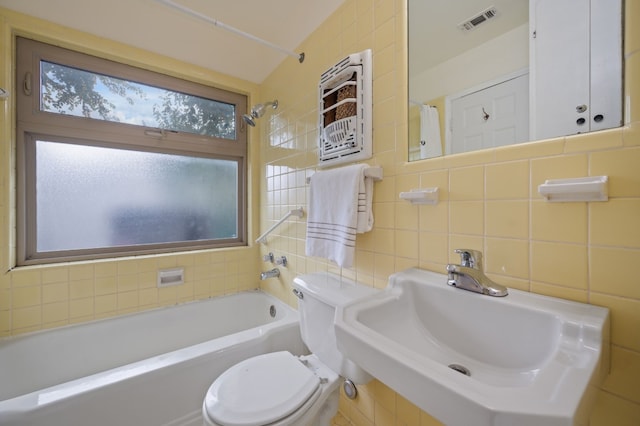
{"type": "Point", "coordinates": [479, 19]}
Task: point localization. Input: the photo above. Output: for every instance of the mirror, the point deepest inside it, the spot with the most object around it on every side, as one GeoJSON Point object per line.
{"type": "Point", "coordinates": [478, 80]}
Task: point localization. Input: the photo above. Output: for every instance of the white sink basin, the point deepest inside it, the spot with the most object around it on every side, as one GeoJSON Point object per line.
{"type": "Point", "coordinates": [532, 360]}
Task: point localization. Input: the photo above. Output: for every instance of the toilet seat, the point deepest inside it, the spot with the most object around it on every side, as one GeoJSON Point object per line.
{"type": "Point", "coordinates": [262, 390]}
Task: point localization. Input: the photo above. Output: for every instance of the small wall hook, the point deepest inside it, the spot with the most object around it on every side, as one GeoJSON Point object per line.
{"type": "Point", "coordinates": [485, 115]}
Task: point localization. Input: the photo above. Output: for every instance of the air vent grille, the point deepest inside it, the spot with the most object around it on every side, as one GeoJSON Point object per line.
{"type": "Point", "coordinates": [478, 19]}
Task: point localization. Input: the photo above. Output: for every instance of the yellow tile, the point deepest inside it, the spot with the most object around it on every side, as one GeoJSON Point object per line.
{"type": "Point", "coordinates": [383, 111]}
{"type": "Point", "coordinates": [563, 222]}
{"type": "Point", "coordinates": [624, 375]}
{"type": "Point", "coordinates": [473, 158]}
{"type": "Point", "coordinates": [55, 292]}
{"type": "Point", "coordinates": [347, 14]}
{"type": "Point", "coordinates": [384, 240]}
{"type": "Point", "coordinates": [384, 266]}
{"type": "Point", "coordinates": [509, 219]}
{"type": "Point", "coordinates": [149, 296]}
{"type": "Point", "coordinates": [466, 217]}
{"type": "Point", "coordinates": [632, 86]}
{"type": "Point", "coordinates": [466, 183]}
{"type": "Point", "coordinates": [407, 413]}
{"type": "Point", "coordinates": [55, 312]}
{"type": "Point", "coordinates": [606, 275]}
{"type": "Point", "coordinates": [365, 23]}
{"type": "Point", "coordinates": [385, 190]}
{"type": "Point", "coordinates": [622, 168]}
{"type": "Point", "coordinates": [81, 272]}
{"type": "Point", "coordinates": [434, 218]}
{"type": "Point", "coordinates": [615, 223]}
{"type": "Point", "coordinates": [530, 150]}
{"type": "Point", "coordinates": [384, 417]}
{"type": "Point", "coordinates": [384, 11]}
{"type": "Point", "coordinates": [26, 318]}
{"type": "Point", "coordinates": [5, 299]}
{"type": "Point", "coordinates": [434, 248]}
{"type": "Point", "coordinates": [625, 319]}
{"type": "Point", "coordinates": [561, 292]}
{"type": "Point", "coordinates": [560, 167]}
{"type": "Point", "coordinates": [26, 277]}
{"type": "Point", "coordinates": [631, 134]}
{"type": "Point", "coordinates": [55, 274]}
{"type": "Point", "coordinates": [383, 67]}
{"type": "Point", "coordinates": [507, 180]}
{"type": "Point", "coordinates": [105, 303]}
{"type": "Point", "coordinates": [507, 257]}
{"type": "Point", "coordinates": [81, 308]}
{"type": "Point", "coordinates": [384, 139]}
{"type": "Point", "coordinates": [384, 396]}
{"type": "Point", "coordinates": [427, 420]}
{"type": "Point", "coordinates": [384, 215]}
{"type": "Point", "coordinates": [406, 216]}
{"type": "Point", "coordinates": [632, 29]}
{"type": "Point", "coordinates": [603, 139]}
{"type": "Point", "coordinates": [612, 410]}
{"type": "Point", "coordinates": [106, 285]}
{"type": "Point", "coordinates": [105, 269]}
{"type": "Point", "coordinates": [562, 264]}
{"type": "Point", "coordinates": [364, 402]}
{"type": "Point", "coordinates": [406, 243]}
{"type": "Point", "coordinates": [438, 179]}
{"type": "Point", "coordinates": [26, 296]}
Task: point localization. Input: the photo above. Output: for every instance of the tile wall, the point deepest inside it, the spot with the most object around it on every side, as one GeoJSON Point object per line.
{"type": "Point", "coordinates": [580, 251]}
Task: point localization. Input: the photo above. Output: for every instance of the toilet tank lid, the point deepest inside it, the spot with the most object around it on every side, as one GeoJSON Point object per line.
{"type": "Point", "coordinates": [332, 289]}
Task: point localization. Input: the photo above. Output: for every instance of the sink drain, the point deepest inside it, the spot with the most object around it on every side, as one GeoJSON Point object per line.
{"type": "Point", "coordinates": [460, 369]}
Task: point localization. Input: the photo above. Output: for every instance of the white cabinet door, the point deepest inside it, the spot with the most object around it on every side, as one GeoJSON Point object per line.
{"type": "Point", "coordinates": [576, 74]}
{"type": "Point", "coordinates": [494, 116]}
{"type": "Point", "coordinates": [606, 64]}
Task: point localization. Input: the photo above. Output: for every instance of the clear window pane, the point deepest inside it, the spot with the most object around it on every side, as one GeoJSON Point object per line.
{"type": "Point", "coordinates": [94, 197]}
{"type": "Point", "coordinates": [72, 91]}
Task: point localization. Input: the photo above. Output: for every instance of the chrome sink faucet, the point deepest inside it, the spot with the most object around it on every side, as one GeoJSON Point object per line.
{"type": "Point", "coordinates": [470, 276]}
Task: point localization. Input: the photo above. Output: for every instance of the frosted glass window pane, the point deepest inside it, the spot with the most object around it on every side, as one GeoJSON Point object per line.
{"type": "Point", "coordinates": [72, 91]}
{"type": "Point", "coordinates": [94, 197]}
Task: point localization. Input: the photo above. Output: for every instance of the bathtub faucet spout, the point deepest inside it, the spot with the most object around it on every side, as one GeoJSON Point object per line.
{"type": "Point", "coordinates": [274, 273]}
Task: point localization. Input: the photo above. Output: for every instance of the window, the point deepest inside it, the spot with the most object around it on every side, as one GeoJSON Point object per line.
{"type": "Point", "coordinates": [114, 160]}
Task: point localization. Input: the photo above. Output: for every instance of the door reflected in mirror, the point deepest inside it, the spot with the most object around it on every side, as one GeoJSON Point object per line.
{"type": "Point", "coordinates": [485, 74]}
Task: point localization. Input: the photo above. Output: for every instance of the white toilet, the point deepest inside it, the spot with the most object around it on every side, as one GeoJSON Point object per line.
{"type": "Point", "coordinates": [279, 388]}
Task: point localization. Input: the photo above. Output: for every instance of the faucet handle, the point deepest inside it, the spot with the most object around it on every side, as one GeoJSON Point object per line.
{"type": "Point", "coordinates": [470, 258]}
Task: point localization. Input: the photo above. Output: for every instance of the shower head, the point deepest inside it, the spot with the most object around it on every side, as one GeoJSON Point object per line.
{"type": "Point", "coordinates": [258, 111]}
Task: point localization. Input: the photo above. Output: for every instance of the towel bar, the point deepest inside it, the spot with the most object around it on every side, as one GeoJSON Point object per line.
{"type": "Point", "coordinates": [299, 212]}
{"type": "Point", "coordinates": [374, 172]}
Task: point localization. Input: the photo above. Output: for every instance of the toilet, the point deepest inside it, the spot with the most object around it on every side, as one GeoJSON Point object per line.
{"type": "Point", "coordinates": [279, 388]}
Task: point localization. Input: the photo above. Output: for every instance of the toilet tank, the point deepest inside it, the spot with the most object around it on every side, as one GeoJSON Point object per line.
{"type": "Point", "coordinates": [319, 294]}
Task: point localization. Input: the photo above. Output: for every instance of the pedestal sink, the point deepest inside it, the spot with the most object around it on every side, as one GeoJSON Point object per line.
{"type": "Point", "coordinates": [472, 359]}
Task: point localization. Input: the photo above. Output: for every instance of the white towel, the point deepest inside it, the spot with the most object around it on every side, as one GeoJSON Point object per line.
{"type": "Point", "coordinates": [340, 205]}
{"type": "Point", "coordinates": [430, 140]}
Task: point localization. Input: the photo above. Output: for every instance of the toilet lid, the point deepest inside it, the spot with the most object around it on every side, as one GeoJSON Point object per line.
{"type": "Point", "coordinates": [260, 390]}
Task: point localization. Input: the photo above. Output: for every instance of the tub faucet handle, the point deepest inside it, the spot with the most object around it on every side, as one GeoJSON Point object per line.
{"type": "Point", "coordinates": [470, 258]}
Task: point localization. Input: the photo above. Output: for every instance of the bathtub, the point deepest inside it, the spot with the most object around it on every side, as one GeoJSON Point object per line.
{"type": "Point", "coordinates": [152, 368]}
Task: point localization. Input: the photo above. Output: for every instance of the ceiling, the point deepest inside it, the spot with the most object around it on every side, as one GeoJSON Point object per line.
{"type": "Point", "coordinates": [153, 26]}
{"type": "Point", "coordinates": [434, 36]}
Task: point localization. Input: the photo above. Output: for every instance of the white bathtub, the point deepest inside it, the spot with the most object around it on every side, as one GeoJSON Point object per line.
{"type": "Point", "coordinates": [151, 368]}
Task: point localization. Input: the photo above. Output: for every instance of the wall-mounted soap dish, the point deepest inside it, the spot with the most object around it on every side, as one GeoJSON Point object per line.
{"type": "Point", "coordinates": [593, 188]}
{"type": "Point", "coordinates": [421, 196]}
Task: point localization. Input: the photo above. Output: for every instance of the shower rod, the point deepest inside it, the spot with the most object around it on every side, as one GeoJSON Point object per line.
{"type": "Point", "coordinates": [215, 22]}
